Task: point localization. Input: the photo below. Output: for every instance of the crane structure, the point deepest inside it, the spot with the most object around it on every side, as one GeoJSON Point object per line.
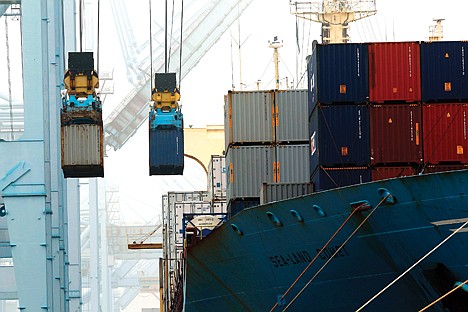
{"type": "Point", "coordinates": [334, 15]}
{"type": "Point", "coordinates": [436, 32]}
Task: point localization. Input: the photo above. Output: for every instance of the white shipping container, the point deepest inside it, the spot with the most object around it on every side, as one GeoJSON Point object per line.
{"type": "Point", "coordinates": [217, 177]}
{"type": "Point", "coordinates": [219, 206]}
{"type": "Point", "coordinates": [82, 145]}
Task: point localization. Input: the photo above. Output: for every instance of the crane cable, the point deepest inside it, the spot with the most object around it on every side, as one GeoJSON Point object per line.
{"type": "Point", "coordinates": [316, 256]}
{"type": "Point", "coordinates": [7, 42]}
{"type": "Point", "coordinates": [180, 41]}
{"type": "Point", "coordinates": [151, 51]}
{"type": "Point", "coordinates": [338, 250]}
{"type": "Point", "coordinates": [411, 267]}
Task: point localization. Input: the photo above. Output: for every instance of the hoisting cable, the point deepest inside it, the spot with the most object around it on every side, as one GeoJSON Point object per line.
{"type": "Point", "coordinates": [165, 39]}
{"type": "Point", "coordinates": [151, 51]}
{"type": "Point", "coordinates": [435, 301]}
{"type": "Point", "coordinates": [81, 25]}
{"type": "Point", "coordinates": [180, 41]}
{"type": "Point", "coordinates": [411, 267]}
{"type": "Point", "coordinates": [337, 251]}
{"type": "Point", "coordinates": [97, 56]}
{"type": "Point", "coordinates": [7, 42]}
{"type": "Point", "coordinates": [316, 256]}
{"type": "Point", "coordinates": [170, 40]}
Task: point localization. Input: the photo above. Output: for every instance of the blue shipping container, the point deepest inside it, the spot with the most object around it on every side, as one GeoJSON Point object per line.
{"type": "Point", "coordinates": [339, 136]}
{"type": "Point", "coordinates": [444, 75]}
{"type": "Point", "coordinates": [338, 73]}
{"type": "Point", "coordinates": [166, 151]}
{"type": "Point", "coordinates": [330, 178]}
{"type": "Point", "coordinates": [237, 205]}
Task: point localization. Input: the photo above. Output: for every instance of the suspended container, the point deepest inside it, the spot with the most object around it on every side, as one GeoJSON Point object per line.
{"type": "Point", "coordinates": [330, 178]}
{"type": "Point", "coordinates": [166, 128]}
{"type": "Point", "coordinates": [338, 73]}
{"type": "Point", "coordinates": [394, 72]}
{"type": "Point", "coordinates": [444, 74]}
{"type": "Point", "coordinates": [82, 147]}
{"type": "Point", "coordinates": [291, 116]}
{"type": "Point", "coordinates": [445, 133]}
{"type": "Point", "coordinates": [396, 134]}
{"type": "Point", "coordinates": [249, 118]}
{"type": "Point", "coordinates": [339, 136]}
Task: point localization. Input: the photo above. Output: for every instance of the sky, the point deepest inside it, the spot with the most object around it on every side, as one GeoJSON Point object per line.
{"type": "Point", "coordinates": [203, 89]}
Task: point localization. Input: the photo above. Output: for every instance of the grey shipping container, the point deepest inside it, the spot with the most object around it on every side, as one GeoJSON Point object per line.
{"type": "Point", "coordinates": [271, 192]}
{"type": "Point", "coordinates": [291, 116]}
{"type": "Point", "coordinates": [248, 117]}
{"type": "Point", "coordinates": [248, 168]}
{"type": "Point", "coordinates": [82, 150]}
{"type": "Point", "coordinates": [292, 163]}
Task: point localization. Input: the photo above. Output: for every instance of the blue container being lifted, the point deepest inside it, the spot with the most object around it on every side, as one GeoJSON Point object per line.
{"type": "Point", "coordinates": [444, 74]}
{"type": "Point", "coordinates": [339, 136]}
{"type": "Point", "coordinates": [338, 73]}
{"type": "Point", "coordinates": [166, 128]}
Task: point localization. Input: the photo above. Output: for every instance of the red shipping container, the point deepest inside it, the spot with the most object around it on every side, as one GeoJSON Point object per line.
{"type": "Point", "coordinates": [443, 168]}
{"type": "Point", "coordinates": [395, 135]}
{"type": "Point", "coordinates": [382, 173]}
{"type": "Point", "coordinates": [394, 72]}
{"type": "Point", "coordinates": [445, 133]}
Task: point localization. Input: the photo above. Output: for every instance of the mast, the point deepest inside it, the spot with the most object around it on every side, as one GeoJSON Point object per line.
{"type": "Point", "coordinates": [436, 32]}
{"type": "Point", "coordinates": [334, 15]}
{"type": "Point", "coordinates": [276, 44]}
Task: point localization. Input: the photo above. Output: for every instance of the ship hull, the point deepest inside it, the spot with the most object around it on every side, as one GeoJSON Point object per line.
{"type": "Point", "coordinates": [251, 261]}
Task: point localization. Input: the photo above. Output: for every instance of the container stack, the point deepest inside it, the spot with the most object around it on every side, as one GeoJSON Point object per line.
{"type": "Point", "coordinates": [339, 135]}
{"type": "Point", "coordinates": [266, 142]}
{"type": "Point", "coordinates": [396, 141]}
{"type": "Point", "coordinates": [444, 83]}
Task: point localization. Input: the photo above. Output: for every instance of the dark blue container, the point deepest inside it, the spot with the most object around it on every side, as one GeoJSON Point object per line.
{"type": "Point", "coordinates": [237, 205]}
{"type": "Point", "coordinates": [339, 136]}
{"type": "Point", "coordinates": [166, 151]}
{"type": "Point", "coordinates": [444, 67]}
{"type": "Point", "coordinates": [338, 73]}
{"type": "Point", "coordinates": [330, 178]}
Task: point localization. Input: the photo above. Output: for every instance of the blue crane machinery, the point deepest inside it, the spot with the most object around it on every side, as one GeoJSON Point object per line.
{"type": "Point", "coordinates": [81, 119]}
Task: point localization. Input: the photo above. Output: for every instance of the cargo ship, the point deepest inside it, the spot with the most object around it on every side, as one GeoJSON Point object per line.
{"type": "Point", "coordinates": [348, 196]}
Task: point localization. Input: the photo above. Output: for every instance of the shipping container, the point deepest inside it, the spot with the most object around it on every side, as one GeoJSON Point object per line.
{"type": "Point", "coordinates": [338, 73]}
{"type": "Point", "coordinates": [396, 134]}
{"type": "Point", "coordinates": [181, 208]}
{"type": "Point", "coordinates": [237, 205]}
{"type": "Point", "coordinates": [271, 192]}
{"type": "Point", "coordinates": [219, 206]}
{"type": "Point", "coordinates": [248, 168]}
{"type": "Point", "coordinates": [291, 116]}
{"type": "Point", "coordinates": [217, 177]}
{"type": "Point", "coordinates": [166, 151]}
{"type": "Point", "coordinates": [291, 163]}
{"type": "Point", "coordinates": [394, 72]}
{"type": "Point", "coordinates": [249, 118]}
{"type": "Point", "coordinates": [442, 168]}
{"type": "Point", "coordinates": [443, 71]}
{"type": "Point", "coordinates": [330, 178]}
{"type": "Point", "coordinates": [82, 150]}
{"type": "Point", "coordinates": [383, 173]}
{"type": "Point", "coordinates": [339, 136]}
{"type": "Point", "coordinates": [445, 133]}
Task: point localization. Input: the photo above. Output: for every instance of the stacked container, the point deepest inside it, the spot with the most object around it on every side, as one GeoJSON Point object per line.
{"type": "Point", "coordinates": [444, 109]}
{"type": "Point", "coordinates": [395, 111]}
{"type": "Point", "coordinates": [338, 85]}
{"type": "Point", "coordinates": [217, 184]}
{"type": "Point", "coordinates": [266, 142]}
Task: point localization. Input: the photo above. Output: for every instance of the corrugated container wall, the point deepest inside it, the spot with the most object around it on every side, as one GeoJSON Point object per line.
{"type": "Point", "coordinates": [248, 117]}
{"type": "Point", "coordinates": [396, 134]}
{"type": "Point", "coordinates": [82, 150]}
{"type": "Point", "coordinates": [338, 73]}
{"type": "Point", "coordinates": [444, 74]}
{"type": "Point", "coordinates": [291, 116]}
{"type": "Point", "coordinates": [166, 151]}
{"type": "Point", "coordinates": [271, 192]}
{"type": "Point", "coordinates": [445, 133]}
{"type": "Point", "coordinates": [248, 168]}
{"type": "Point", "coordinates": [383, 173]}
{"type": "Point", "coordinates": [339, 135]}
{"type": "Point", "coordinates": [292, 163]}
{"type": "Point", "coordinates": [330, 178]}
{"type": "Point", "coordinates": [217, 177]}
{"type": "Point", "coordinates": [394, 72]}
